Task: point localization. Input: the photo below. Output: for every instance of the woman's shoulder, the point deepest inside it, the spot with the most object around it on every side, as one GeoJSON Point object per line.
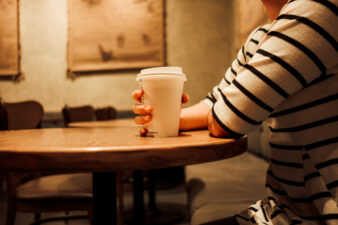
{"type": "Point", "coordinates": [256, 36]}
{"type": "Point", "coordinates": [310, 8]}
{"type": "Point", "coordinates": [320, 15]}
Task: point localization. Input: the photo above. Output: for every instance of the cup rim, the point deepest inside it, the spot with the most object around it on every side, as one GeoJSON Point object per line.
{"type": "Point", "coordinates": [140, 75]}
{"type": "Point", "coordinates": [160, 73]}
{"type": "Point", "coordinates": [152, 69]}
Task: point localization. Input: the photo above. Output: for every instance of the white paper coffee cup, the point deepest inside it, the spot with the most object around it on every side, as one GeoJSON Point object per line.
{"type": "Point", "coordinates": [163, 89]}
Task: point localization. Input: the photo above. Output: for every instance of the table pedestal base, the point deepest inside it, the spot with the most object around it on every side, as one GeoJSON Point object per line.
{"type": "Point", "coordinates": [156, 214]}
{"type": "Point", "coordinates": [104, 198]}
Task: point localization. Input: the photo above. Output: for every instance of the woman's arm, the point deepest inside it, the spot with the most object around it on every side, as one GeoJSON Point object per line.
{"type": "Point", "coordinates": [198, 117]}
{"type": "Point", "coordinates": [194, 117]}
{"type": "Point", "coordinates": [214, 128]}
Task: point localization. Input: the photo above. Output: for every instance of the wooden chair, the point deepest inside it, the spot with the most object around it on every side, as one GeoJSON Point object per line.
{"type": "Point", "coordinates": [22, 115]}
{"type": "Point", "coordinates": [86, 113]}
{"type": "Point", "coordinates": [77, 114]}
{"type": "Point", "coordinates": [61, 192]}
{"type": "Point", "coordinates": [106, 113]}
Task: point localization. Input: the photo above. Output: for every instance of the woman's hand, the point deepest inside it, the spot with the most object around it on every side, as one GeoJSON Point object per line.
{"type": "Point", "coordinates": [194, 117]}
{"type": "Point", "coordinates": [144, 111]}
{"type": "Point", "coordinates": [214, 128]}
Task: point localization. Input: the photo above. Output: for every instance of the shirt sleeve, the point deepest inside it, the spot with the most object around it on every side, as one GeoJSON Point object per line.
{"type": "Point", "coordinates": [299, 48]}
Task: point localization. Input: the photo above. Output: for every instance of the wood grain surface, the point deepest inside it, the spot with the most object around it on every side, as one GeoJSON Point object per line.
{"type": "Point", "coordinates": [108, 148]}
{"type": "Point", "coordinates": [106, 123]}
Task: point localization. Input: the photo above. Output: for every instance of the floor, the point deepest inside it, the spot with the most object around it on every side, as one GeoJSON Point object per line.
{"type": "Point", "coordinates": [174, 197]}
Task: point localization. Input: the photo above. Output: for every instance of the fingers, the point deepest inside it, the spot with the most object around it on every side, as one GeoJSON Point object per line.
{"type": "Point", "coordinates": [140, 120]}
{"type": "Point", "coordinates": [185, 98]}
{"type": "Point", "coordinates": [145, 110]}
{"type": "Point", "coordinates": [143, 132]}
{"type": "Point", "coordinates": [137, 94]}
{"type": "Point", "coordinates": [142, 109]}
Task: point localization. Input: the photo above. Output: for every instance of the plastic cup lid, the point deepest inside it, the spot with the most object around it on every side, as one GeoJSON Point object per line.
{"type": "Point", "coordinates": [158, 71]}
{"type": "Point", "coordinates": [164, 69]}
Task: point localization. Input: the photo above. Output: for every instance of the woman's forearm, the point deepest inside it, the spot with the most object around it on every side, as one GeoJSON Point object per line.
{"type": "Point", "coordinates": [198, 117]}
{"type": "Point", "coordinates": [214, 128]}
{"type": "Point", "coordinates": [194, 117]}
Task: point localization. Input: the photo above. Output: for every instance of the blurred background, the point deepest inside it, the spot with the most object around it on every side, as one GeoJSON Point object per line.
{"type": "Point", "coordinates": [201, 36]}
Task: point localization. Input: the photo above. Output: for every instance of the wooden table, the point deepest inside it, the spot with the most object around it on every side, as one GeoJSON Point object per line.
{"type": "Point", "coordinates": [103, 150]}
{"type": "Point", "coordinates": [105, 123]}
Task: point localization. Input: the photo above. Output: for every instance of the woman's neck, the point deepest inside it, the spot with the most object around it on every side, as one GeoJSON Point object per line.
{"type": "Point", "coordinates": [273, 7]}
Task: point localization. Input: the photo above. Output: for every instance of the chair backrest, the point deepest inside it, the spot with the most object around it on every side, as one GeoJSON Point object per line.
{"type": "Point", "coordinates": [106, 113]}
{"type": "Point", "coordinates": [77, 114]}
{"type": "Point", "coordinates": [15, 116]}
{"type": "Point", "coordinates": [20, 115]}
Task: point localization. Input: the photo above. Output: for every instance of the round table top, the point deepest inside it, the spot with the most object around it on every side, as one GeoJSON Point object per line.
{"type": "Point", "coordinates": [107, 148]}
{"type": "Point", "coordinates": [105, 123]}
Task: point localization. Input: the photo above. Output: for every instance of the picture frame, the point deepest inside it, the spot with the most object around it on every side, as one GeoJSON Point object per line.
{"type": "Point", "coordinates": [9, 40]}
{"type": "Point", "coordinates": [115, 35]}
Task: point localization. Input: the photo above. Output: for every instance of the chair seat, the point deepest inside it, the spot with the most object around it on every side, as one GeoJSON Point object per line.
{"type": "Point", "coordinates": [67, 186]}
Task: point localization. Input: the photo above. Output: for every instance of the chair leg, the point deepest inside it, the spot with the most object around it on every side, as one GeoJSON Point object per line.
{"type": "Point", "coordinates": [90, 215]}
{"type": "Point", "coordinates": [37, 216]}
{"type": "Point", "coordinates": [11, 211]}
{"type": "Point", "coordinates": [66, 220]}
{"type": "Point", "coordinates": [119, 191]}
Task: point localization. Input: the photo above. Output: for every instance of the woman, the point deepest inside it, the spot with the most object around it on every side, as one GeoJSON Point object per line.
{"type": "Point", "coordinates": [286, 75]}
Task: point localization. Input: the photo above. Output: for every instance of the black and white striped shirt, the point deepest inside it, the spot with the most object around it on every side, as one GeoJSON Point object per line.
{"type": "Point", "coordinates": [286, 75]}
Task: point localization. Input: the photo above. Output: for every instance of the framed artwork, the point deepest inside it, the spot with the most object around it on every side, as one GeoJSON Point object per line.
{"type": "Point", "coordinates": [9, 39]}
{"type": "Point", "coordinates": [107, 35]}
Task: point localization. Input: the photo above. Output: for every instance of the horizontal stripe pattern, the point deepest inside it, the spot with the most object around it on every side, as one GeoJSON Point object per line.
{"type": "Point", "coordinates": [286, 181]}
{"type": "Point", "coordinates": [254, 41]}
{"type": "Point", "coordinates": [231, 132]}
{"type": "Point", "coordinates": [312, 25]}
{"type": "Point", "coordinates": [252, 97]}
{"type": "Point", "coordinates": [233, 71]}
{"type": "Point", "coordinates": [285, 73]}
{"type": "Point", "coordinates": [306, 126]}
{"type": "Point", "coordinates": [332, 185]}
{"type": "Point", "coordinates": [228, 82]}
{"type": "Point", "coordinates": [321, 143]}
{"type": "Point", "coordinates": [285, 65]}
{"type": "Point", "coordinates": [268, 81]}
{"type": "Point", "coordinates": [307, 147]}
{"type": "Point", "coordinates": [302, 48]}
{"type": "Point", "coordinates": [327, 163]}
{"type": "Point", "coordinates": [324, 217]}
{"type": "Point", "coordinates": [328, 5]}
{"type": "Point", "coordinates": [244, 55]}
{"type": "Point", "coordinates": [305, 106]}
{"type": "Point", "coordinates": [287, 164]}
{"type": "Point", "coordinates": [238, 112]}
{"type": "Point", "coordinates": [249, 54]}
